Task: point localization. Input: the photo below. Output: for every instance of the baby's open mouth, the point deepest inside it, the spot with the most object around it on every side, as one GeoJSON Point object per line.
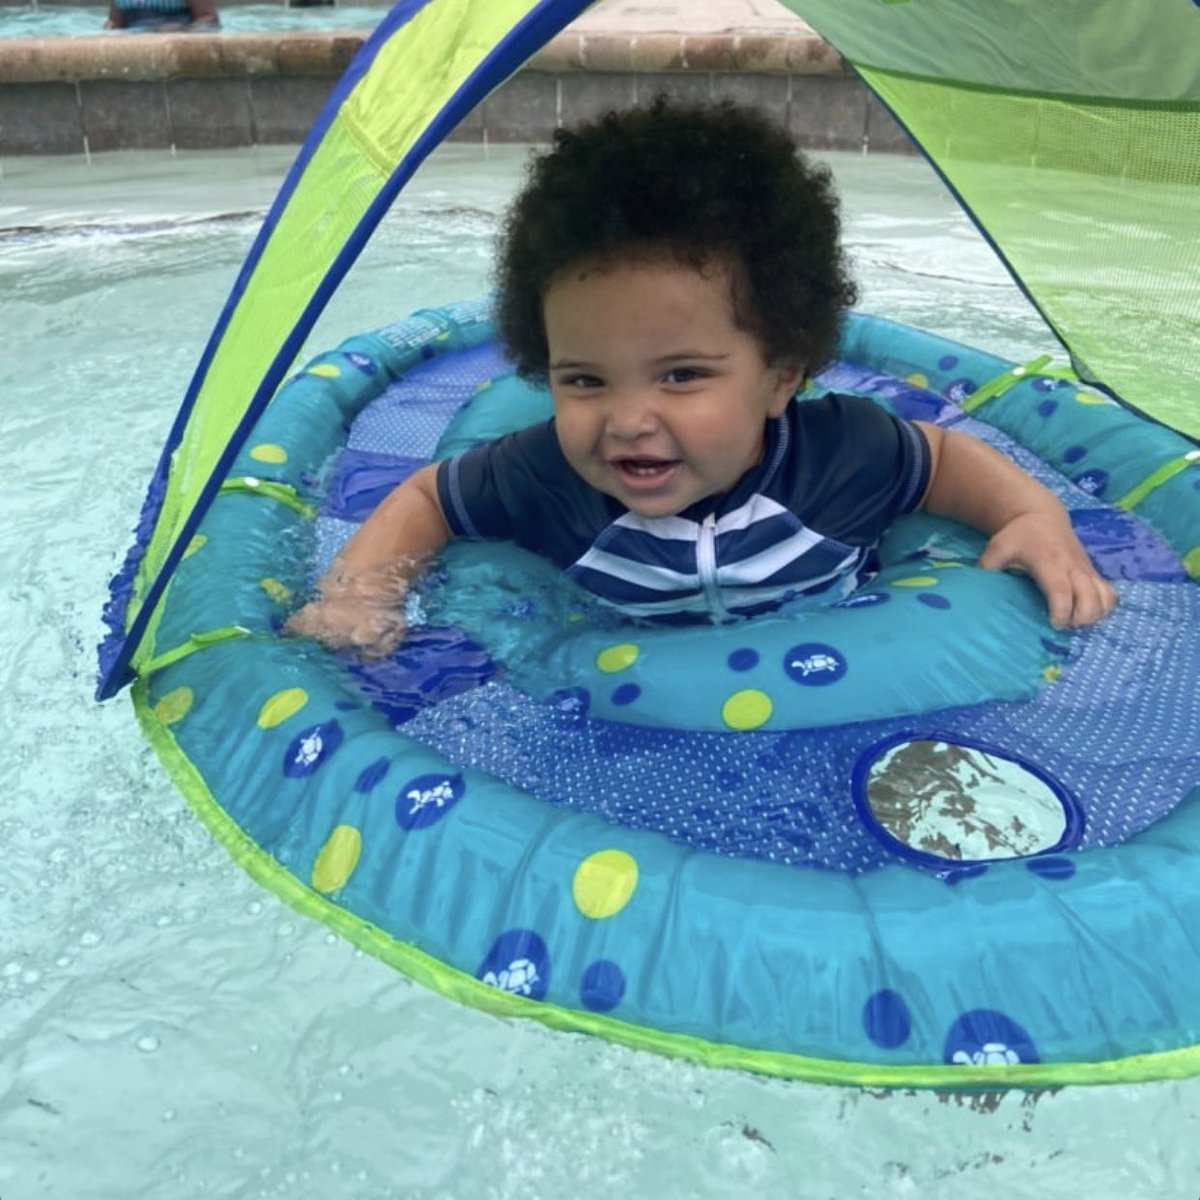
{"type": "Point", "coordinates": [645, 468]}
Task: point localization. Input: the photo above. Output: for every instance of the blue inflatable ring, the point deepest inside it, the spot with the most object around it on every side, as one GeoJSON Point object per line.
{"type": "Point", "coordinates": [927, 971]}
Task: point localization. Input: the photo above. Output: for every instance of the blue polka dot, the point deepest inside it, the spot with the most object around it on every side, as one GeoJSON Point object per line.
{"type": "Point", "coordinates": [363, 362]}
{"type": "Point", "coordinates": [1093, 482]}
{"type": "Point", "coordinates": [602, 986]}
{"type": "Point", "coordinates": [423, 801]}
{"type": "Point", "coordinates": [1047, 408]}
{"type": "Point", "coordinates": [518, 962]}
{"type": "Point", "coordinates": [886, 1019]}
{"type": "Point", "coordinates": [866, 599]}
{"type": "Point", "coordinates": [1072, 454]}
{"type": "Point", "coordinates": [933, 600]}
{"type": "Point", "coordinates": [371, 776]}
{"type": "Point", "coordinates": [1046, 385]}
{"type": "Point", "coordinates": [743, 660]}
{"type": "Point", "coordinates": [1052, 868]}
{"type": "Point", "coordinates": [427, 352]}
{"type": "Point", "coordinates": [960, 389]}
{"type": "Point", "coordinates": [986, 1038]}
{"type": "Point", "coordinates": [627, 693]}
{"type": "Point", "coordinates": [310, 748]}
{"type": "Point", "coordinates": [947, 361]}
{"type": "Point", "coordinates": [814, 664]}
{"type": "Point", "coordinates": [573, 701]}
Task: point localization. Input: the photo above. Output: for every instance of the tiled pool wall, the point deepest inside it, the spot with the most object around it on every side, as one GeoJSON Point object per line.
{"type": "Point", "coordinates": [207, 91]}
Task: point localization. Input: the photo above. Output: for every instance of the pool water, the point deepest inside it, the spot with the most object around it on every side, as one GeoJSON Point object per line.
{"type": "Point", "coordinates": [54, 20]}
{"type": "Point", "coordinates": [169, 1029]}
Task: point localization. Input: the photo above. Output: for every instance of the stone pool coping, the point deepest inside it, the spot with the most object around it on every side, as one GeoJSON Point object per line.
{"type": "Point", "coordinates": [204, 91]}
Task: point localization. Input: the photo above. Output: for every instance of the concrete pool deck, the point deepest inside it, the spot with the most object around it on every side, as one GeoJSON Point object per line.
{"type": "Point", "coordinates": [78, 95]}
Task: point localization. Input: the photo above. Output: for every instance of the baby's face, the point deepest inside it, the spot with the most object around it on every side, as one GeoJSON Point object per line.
{"type": "Point", "coordinates": [659, 398]}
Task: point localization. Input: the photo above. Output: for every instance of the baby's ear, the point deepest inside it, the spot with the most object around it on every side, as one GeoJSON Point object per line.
{"type": "Point", "coordinates": [789, 377]}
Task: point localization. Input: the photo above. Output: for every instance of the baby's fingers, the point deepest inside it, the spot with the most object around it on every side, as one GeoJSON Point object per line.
{"type": "Point", "coordinates": [1094, 600]}
{"type": "Point", "coordinates": [381, 640]}
{"type": "Point", "coordinates": [303, 623]}
{"type": "Point", "coordinates": [1077, 599]}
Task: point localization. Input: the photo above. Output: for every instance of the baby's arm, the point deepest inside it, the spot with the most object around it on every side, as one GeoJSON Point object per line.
{"type": "Point", "coordinates": [1028, 528]}
{"type": "Point", "coordinates": [361, 602]}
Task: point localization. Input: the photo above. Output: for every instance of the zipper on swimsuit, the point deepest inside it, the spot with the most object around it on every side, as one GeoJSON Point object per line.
{"type": "Point", "coordinates": [706, 567]}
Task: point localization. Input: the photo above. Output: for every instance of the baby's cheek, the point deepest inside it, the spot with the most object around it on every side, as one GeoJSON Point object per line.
{"type": "Point", "coordinates": [573, 451]}
{"type": "Point", "coordinates": [731, 450]}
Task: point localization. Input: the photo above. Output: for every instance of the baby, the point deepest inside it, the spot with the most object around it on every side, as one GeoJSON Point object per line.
{"type": "Point", "coordinates": [675, 274]}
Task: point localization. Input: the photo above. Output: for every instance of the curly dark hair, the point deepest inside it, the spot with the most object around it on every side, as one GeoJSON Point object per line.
{"type": "Point", "coordinates": [702, 184]}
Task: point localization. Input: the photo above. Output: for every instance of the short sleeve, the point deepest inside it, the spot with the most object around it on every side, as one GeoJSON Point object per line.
{"type": "Point", "coordinates": [856, 467]}
{"type": "Point", "coordinates": [520, 487]}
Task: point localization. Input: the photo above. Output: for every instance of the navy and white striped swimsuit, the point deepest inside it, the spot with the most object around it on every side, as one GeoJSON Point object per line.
{"type": "Point", "coordinates": [835, 472]}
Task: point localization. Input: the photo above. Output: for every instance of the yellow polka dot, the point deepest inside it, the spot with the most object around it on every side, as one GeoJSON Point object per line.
{"type": "Point", "coordinates": [1191, 562]}
{"type": "Point", "coordinates": [325, 371]}
{"type": "Point", "coordinates": [1052, 673]}
{"type": "Point", "coordinates": [280, 593]}
{"type": "Point", "coordinates": [337, 859]}
{"type": "Point", "coordinates": [604, 883]}
{"type": "Point", "coordinates": [197, 543]}
{"type": "Point", "coordinates": [174, 705]}
{"type": "Point", "coordinates": [746, 710]}
{"type": "Point", "coordinates": [574, 618]}
{"type": "Point", "coordinates": [268, 452]}
{"type": "Point", "coordinates": [944, 564]}
{"type": "Point", "coordinates": [617, 658]}
{"type": "Point", "coordinates": [917, 379]}
{"type": "Point", "coordinates": [916, 581]}
{"type": "Point", "coordinates": [281, 706]}
{"type": "Point", "coordinates": [1091, 398]}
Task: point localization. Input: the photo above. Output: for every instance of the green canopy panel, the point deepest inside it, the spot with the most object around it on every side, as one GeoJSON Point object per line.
{"type": "Point", "coordinates": [1071, 134]}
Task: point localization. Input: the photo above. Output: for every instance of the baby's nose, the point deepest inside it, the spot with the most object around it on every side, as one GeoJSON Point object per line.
{"type": "Point", "coordinates": [631, 416]}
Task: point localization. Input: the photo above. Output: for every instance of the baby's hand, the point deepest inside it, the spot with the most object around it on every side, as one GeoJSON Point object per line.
{"type": "Point", "coordinates": [341, 625]}
{"type": "Point", "coordinates": [364, 613]}
{"type": "Point", "coordinates": [1043, 544]}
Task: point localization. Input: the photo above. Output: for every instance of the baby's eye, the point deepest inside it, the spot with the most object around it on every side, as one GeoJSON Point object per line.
{"type": "Point", "coordinates": [580, 382]}
{"type": "Point", "coordinates": [684, 375]}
